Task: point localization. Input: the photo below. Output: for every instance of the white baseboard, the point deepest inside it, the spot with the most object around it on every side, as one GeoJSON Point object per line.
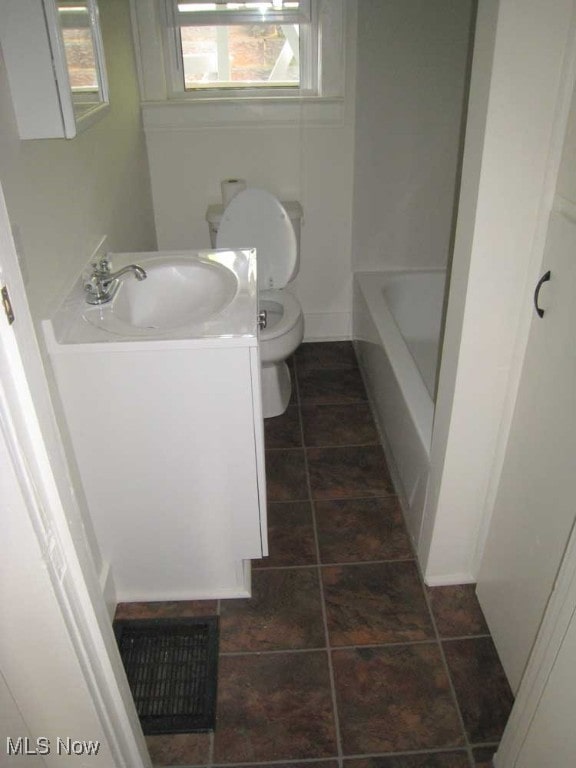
{"type": "Point", "coordinates": [327, 326]}
{"type": "Point", "coordinates": [155, 597]}
{"type": "Point", "coordinates": [242, 588]}
{"type": "Point", "coordinates": [449, 579]}
{"type": "Point", "coordinates": [108, 589]}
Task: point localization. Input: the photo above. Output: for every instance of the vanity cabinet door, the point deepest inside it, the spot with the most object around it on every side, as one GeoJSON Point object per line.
{"type": "Point", "coordinates": [170, 453]}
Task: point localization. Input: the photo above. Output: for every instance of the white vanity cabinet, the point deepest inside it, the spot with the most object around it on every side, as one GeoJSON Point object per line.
{"type": "Point", "coordinates": [168, 439]}
{"type": "Point", "coordinates": [169, 447]}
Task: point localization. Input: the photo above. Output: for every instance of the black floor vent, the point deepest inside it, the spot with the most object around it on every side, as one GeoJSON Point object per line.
{"type": "Point", "coordinates": [171, 666]}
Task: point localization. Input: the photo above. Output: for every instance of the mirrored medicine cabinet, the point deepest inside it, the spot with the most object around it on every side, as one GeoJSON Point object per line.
{"type": "Point", "coordinates": [55, 63]}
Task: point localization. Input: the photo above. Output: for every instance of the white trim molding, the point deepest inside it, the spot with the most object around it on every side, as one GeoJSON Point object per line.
{"type": "Point", "coordinates": [327, 326]}
{"type": "Point", "coordinates": [218, 113]}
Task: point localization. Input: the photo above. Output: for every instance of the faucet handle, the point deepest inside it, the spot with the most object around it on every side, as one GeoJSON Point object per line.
{"type": "Point", "coordinates": [102, 266]}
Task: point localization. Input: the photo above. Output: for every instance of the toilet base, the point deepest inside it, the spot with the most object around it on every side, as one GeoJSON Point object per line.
{"type": "Point", "coordinates": [276, 388]}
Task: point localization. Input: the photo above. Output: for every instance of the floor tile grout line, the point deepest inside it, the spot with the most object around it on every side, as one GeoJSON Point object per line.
{"type": "Point", "coordinates": [458, 638]}
{"type": "Point", "coordinates": [319, 649]}
{"type": "Point", "coordinates": [467, 743]}
{"type": "Point", "coordinates": [322, 499]}
{"type": "Point", "coordinates": [317, 403]}
{"type": "Point", "coordinates": [212, 738]}
{"type": "Point", "coordinates": [334, 565]}
{"type": "Point", "coordinates": [307, 446]}
{"type": "Point", "coordinates": [316, 760]}
{"type": "Point", "coordinates": [270, 764]}
{"type": "Point", "coordinates": [413, 753]}
{"type": "Point", "coordinates": [211, 750]}
{"type": "Point", "coordinates": [274, 652]}
{"type": "Point", "coordinates": [484, 744]}
{"type": "Point", "coordinates": [386, 496]}
{"type": "Point", "coordinates": [329, 446]}
{"type": "Point", "coordinates": [320, 585]}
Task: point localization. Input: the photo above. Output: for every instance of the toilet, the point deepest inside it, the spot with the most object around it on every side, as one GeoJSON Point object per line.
{"type": "Point", "coordinates": [256, 219]}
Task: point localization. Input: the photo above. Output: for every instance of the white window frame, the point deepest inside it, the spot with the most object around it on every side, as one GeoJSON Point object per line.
{"type": "Point", "coordinates": [172, 20]}
{"type": "Point", "coordinates": [322, 66]}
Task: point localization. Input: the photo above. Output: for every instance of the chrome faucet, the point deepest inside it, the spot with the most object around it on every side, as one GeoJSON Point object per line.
{"type": "Point", "coordinates": [103, 284]}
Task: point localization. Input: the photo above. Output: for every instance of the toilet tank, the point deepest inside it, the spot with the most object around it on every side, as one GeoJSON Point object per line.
{"type": "Point", "coordinates": [292, 208]}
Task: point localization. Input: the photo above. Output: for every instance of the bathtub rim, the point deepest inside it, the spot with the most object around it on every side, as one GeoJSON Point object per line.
{"type": "Point", "coordinates": [418, 400]}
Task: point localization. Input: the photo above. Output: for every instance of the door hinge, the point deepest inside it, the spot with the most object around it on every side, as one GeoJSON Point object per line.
{"type": "Point", "coordinates": [7, 305]}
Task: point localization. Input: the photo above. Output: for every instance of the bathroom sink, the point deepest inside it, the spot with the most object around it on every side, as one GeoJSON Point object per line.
{"type": "Point", "coordinates": [177, 292]}
{"type": "Point", "coordinates": [195, 296]}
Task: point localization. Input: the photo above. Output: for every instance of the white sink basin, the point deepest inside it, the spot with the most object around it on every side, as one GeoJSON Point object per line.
{"type": "Point", "coordinates": [177, 292]}
{"type": "Point", "coordinates": [192, 297]}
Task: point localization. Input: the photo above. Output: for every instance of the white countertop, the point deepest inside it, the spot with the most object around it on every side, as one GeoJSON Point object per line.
{"type": "Point", "coordinates": [72, 326]}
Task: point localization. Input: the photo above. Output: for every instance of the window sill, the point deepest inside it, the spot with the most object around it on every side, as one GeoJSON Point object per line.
{"type": "Point", "coordinates": [92, 116]}
{"type": "Point", "coordinates": [202, 113]}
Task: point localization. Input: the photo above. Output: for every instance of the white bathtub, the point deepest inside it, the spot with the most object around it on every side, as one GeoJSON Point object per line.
{"type": "Point", "coordinates": [397, 320]}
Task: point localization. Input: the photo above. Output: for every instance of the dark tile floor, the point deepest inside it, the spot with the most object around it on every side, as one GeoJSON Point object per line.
{"type": "Point", "coordinates": [341, 658]}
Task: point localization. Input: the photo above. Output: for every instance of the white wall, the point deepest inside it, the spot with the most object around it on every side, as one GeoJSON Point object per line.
{"type": "Point", "coordinates": [46, 562]}
{"type": "Point", "coordinates": [411, 73]}
{"type": "Point", "coordinates": [64, 195]}
{"type": "Point", "coordinates": [513, 145]}
{"type": "Point", "coordinates": [304, 152]}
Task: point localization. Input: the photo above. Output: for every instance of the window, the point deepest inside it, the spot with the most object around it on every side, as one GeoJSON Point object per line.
{"type": "Point", "coordinates": [83, 52]}
{"type": "Point", "coordinates": [78, 45]}
{"type": "Point", "coordinates": [223, 51]}
{"type": "Point", "coordinates": [245, 47]}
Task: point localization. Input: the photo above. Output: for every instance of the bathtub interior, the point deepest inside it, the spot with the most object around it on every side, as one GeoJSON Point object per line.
{"type": "Point", "coordinates": [416, 305]}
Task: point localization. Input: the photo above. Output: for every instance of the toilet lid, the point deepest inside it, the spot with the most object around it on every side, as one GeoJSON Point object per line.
{"type": "Point", "coordinates": [256, 219]}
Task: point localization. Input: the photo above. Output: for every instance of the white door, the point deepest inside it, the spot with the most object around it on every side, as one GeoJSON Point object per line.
{"type": "Point", "coordinates": [551, 739]}
{"type": "Point", "coordinates": [535, 507]}
{"type": "Point", "coordinates": [46, 577]}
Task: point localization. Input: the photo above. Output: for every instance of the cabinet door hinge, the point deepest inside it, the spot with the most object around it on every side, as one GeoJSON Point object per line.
{"type": "Point", "coordinates": [7, 305]}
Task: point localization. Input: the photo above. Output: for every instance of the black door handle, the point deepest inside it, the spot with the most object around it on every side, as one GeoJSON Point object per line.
{"type": "Point", "coordinates": [544, 279]}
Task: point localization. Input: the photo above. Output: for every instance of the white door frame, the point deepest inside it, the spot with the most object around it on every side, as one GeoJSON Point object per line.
{"type": "Point", "coordinates": [522, 80]}
{"type": "Point", "coordinates": [58, 573]}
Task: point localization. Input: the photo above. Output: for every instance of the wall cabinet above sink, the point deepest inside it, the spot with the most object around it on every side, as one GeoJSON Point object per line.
{"type": "Point", "coordinates": [54, 59]}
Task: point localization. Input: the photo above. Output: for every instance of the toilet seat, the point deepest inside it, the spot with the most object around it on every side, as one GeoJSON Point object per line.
{"type": "Point", "coordinates": [291, 312]}
{"type": "Point", "coordinates": [256, 219]}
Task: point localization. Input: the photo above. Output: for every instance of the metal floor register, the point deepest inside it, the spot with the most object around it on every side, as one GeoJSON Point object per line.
{"type": "Point", "coordinates": [172, 667]}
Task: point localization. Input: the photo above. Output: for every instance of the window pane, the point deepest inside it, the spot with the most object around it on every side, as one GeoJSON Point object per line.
{"type": "Point", "coordinates": [240, 56]}
{"type": "Point", "coordinates": [80, 59]}
{"type": "Point", "coordinates": [78, 45]}
{"type": "Point", "coordinates": [223, 6]}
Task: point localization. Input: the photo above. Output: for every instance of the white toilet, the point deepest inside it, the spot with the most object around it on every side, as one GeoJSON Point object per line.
{"type": "Point", "coordinates": [256, 219]}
